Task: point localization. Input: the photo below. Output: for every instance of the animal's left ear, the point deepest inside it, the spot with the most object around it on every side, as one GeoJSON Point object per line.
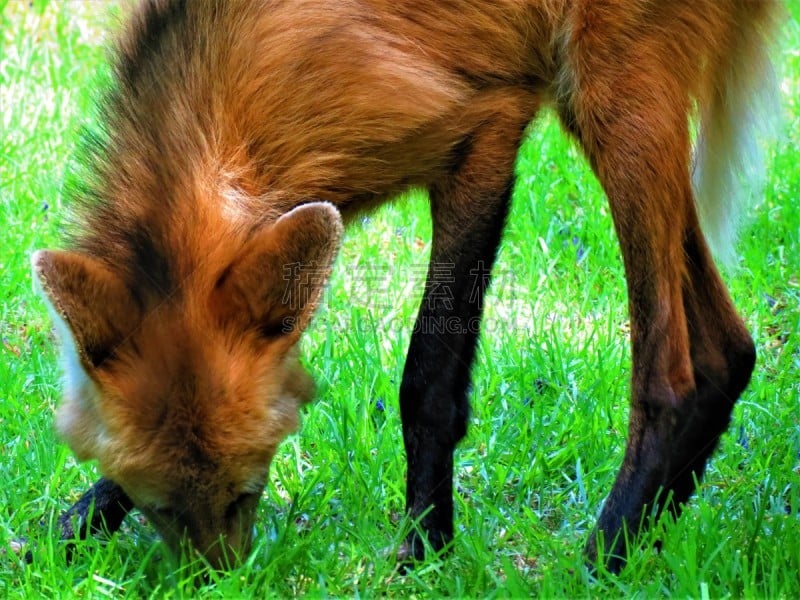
{"type": "Point", "coordinates": [276, 284]}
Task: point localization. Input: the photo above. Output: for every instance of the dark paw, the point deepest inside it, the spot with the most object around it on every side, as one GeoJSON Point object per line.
{"type": "Point", "coordinates": [410, 552]}
{"type": "Point", "coordinates": [414, 549]}
{"type": "Point", "coordinates": [611, 560]}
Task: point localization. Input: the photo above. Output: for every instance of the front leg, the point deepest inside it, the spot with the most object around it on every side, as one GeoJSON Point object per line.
{"type": "Point", "coordinates": [102, 508]}
{"type": "Point", "coordinates": [468, 208]}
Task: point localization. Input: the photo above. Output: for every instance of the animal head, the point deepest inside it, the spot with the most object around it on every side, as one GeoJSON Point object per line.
{"type": "Point", "coordinates": [183, 404]}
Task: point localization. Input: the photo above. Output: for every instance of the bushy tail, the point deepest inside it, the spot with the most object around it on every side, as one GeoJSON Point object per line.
{"type": "Point", "coordinates": [739, 111]}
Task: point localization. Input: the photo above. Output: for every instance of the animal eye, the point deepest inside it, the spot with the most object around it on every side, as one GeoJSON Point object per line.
{"type": "Point", "coordinates": [233, 508]}
{"type": "Point", "coordinates": [273, 329]}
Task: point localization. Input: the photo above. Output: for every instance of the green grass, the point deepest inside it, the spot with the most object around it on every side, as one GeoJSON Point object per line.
{"type": "Point", "coordinates": [549, 399]}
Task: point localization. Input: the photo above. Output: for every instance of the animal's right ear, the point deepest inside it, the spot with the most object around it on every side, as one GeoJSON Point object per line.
{"type": "Point", "coordinates": [92, 308]}
{"type": "Point", "coordinates": [276, 283]}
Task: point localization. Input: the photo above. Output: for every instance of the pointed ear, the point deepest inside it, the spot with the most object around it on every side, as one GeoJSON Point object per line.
{"type": "Point", "coordinates": [91, 306]}
{"type": "Point", "coordinates": [276, 284]}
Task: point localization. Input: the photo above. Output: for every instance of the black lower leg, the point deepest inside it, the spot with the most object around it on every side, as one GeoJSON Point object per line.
{"type": "Point", "coordinates": [637, 487]}
{"type": "Point", "coordinates": [434, 407]}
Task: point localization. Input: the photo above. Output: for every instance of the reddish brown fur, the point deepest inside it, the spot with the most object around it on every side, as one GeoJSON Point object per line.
{"type": "Point", "coordinates": [229, 114]}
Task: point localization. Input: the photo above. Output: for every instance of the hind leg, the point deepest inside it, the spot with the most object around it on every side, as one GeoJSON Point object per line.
{"type": "Point", "coordinates": [468, 207]}
{"type": "Point", "coordinates": [692, 356]}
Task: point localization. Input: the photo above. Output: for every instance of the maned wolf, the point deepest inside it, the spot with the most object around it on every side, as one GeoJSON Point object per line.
{"type": "Point", "coordinates": [239, 136]}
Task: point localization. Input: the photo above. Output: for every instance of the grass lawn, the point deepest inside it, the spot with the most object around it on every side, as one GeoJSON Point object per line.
{"type": "Point", "coordinates": [549, 400]}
